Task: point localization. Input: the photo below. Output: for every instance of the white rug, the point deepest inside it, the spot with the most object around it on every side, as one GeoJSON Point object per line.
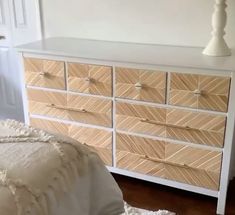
{"type": "Point", "coordinates": [129, 210]}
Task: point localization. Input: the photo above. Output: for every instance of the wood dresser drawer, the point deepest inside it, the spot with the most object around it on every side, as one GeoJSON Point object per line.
{"type": "Point", "coordinates": [141, 146]}
{"type": "Point", "coordinates": [187, 126]}
{"type": "Point", "coordinates": [50, 126]}
{"type": "Point", "coordinates": [72, 107]}
{"type": "Point", "coordinates": [199, 91]}
{"type": "Point", "coordinates": [177, 162]}
{"type": "Point", "coordinates": [40, 102]}
{"type": "Point", "coordinates": [44, 73]}
{"type": "Point", "coordinates": [137, 163]}
{"type": "Point", "coordinates": [91, 110]}
{"type": "Point", "coordinates": [193, 166]}
{"type": "Point", "coordinates": [92, 79]}
{"type": "Point", "coordinates": [192, 176]}
{"type": "Point", "coordinates": [97, 140]}
{"type": "Point", "coordinates": [132, 154]}
{"type": "Point", "coordinates": [195, 127]}
{"type": "Point", "coordinates": [141, 85]}
{"type": "Point", "coordinates": [131, 118]}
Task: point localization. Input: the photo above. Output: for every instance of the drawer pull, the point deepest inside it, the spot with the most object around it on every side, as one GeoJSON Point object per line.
{"type": "Point", "coordinates": [67, 108]}
{"type": "Point", "coordinates": [165, 162]}
{"type": "Point", "coordinates": [138, 86]}
{"type": "Point", "coordinates": [165, 124]}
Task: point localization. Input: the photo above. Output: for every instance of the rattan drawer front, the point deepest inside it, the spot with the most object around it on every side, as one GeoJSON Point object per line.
{"type": "Point", "coordinates": [138, 118]}
{"type": "Point", "coordinates": [104, 154]}
{"type": "Point", "coordinates": [196, 177]}
{"type": "Point", "coordinates": [90, 110]}
{"type": "Point", "coordinates": [92, 79]}
{"type": "Point", "coordinates": [195, 127]}
{"type": "Point", "coordinates": [44, 73]}
{"type": "Point", "coordinates": [177, 162]}
{"type": "Point", "coordinates": [215, 92]}
{"type": "Point", "coordinates": [45, 102]}
{"type": "Point", "coordinates": [91, 136]}
{"type": "Point", "coordinates": [188, 126]}
{"type": "Point", "coordinates": [98, 140]}
{"type": "Point", "coordinates": [199, 91]}
{"type": "Point", "coordinates": [141, 84]}
{"type": "Point", "coordinates": [193, 166]}
{"type": "Point", "coordinates": [140, 146]}
{"type": "Point", "coordinates": [84, 109]}
{"type": "Point", "coordinates": [139, 164]}
{"type": "Point", "coordinates": [192, 157]}
{"type": "Point", "coordinates": [50, 126]}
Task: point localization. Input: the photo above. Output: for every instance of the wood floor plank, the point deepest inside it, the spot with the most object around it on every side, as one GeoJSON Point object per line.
{"type": "Point", "coordinates": [152, 196]}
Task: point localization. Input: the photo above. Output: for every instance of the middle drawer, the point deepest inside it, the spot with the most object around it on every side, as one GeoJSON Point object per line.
{"type": "Point", "coordinates": [85, 109]}
{"type": "Point", "coordinates": [188, 126]}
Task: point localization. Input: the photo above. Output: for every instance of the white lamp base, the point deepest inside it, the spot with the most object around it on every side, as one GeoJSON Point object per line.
{"type": "Point", "coordinates": [217, 47]}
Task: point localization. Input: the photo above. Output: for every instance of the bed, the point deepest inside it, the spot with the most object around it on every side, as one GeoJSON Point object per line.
{"type": "Point", "coordinates": [46, 174]}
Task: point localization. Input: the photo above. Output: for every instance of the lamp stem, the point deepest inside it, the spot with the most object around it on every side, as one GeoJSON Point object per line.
{"type": "Point", "coordinates": [217, 45]}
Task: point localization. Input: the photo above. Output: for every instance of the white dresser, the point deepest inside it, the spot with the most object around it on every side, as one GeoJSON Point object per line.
{"type": "Point", "coordinates": [158, 113]}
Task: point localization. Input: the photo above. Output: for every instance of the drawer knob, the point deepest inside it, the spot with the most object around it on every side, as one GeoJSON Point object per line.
{"type": "Point", "coordinates": [2, 37]}
{"type": "Point", "coordinates": [43, 73]}
{"type": "Point", "coordinates": [138, 86]}
{"type": "Point", "coordinates": [197, 92]}
{"type": "Point", "coordinates": [88, 79]}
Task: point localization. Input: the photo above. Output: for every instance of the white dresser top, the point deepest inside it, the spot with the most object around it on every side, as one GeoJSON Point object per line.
{"type": "Point", "coordinates": [161, 55]}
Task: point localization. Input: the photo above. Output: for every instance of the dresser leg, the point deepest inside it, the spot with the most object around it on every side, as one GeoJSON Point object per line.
{"type": "Point", "coordinates": [221, 206]}
{"type": "Point", "coordinates": [227, 152]}
{"type": "Point", "coordinates": [221, 203]}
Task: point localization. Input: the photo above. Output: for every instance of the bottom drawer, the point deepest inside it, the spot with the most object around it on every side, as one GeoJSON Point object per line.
{"type": "Point", "coordinates": [174, 172]}
{"type": "Point", "coordinates": [193, 176]}
{"type": "Point", "coordinates": [138, 163]}
{"type": "Point", "coordinates": [176, 162]}
{"type": "Point", "coordinates": [104, 153]}
{"type": "Point", "coordinates": [98, 140]}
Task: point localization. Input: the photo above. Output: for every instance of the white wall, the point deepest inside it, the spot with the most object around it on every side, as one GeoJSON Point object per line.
{"type": "Point", "coordinates": [176, 22]}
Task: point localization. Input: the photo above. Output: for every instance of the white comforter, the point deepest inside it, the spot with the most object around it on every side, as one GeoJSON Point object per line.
{"type": "Point", "coordinates": [43, 174]}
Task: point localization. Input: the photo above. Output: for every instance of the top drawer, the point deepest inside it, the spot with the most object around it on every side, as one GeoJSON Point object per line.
{"type": "Point", "coordinates": [199, 91]}
{"type": "Point", "coordinates": [141, 85]}
{"type": "Point", "coordinates": [92, 79]}
{"type": "Point", "coordinates": [44, 73]}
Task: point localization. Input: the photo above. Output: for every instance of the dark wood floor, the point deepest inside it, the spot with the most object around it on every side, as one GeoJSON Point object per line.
{"type": "Point", "coordinates": [152, 196]}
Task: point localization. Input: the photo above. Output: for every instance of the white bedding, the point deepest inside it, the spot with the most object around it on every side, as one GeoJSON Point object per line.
{"type": "Point", "coordinates": [43, 174]}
